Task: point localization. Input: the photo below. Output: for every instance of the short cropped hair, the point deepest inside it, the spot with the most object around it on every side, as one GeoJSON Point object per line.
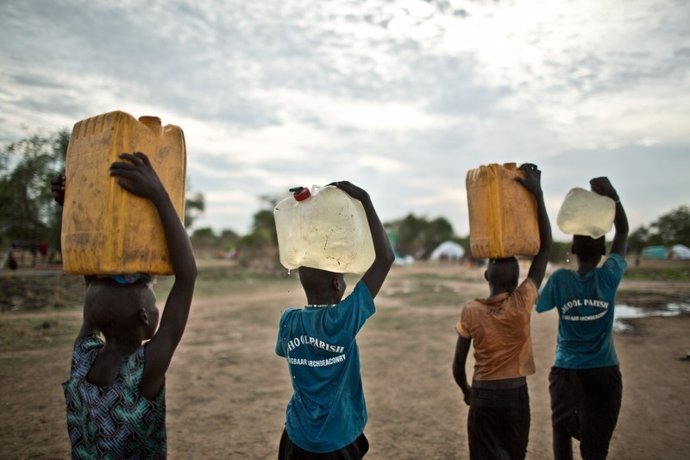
{"type": "Point", "coordinates": [586, 246]}
{"type": "Point", "coordinates": [110, 305]}
{"type": "Point", "coordinates": [504, 271]}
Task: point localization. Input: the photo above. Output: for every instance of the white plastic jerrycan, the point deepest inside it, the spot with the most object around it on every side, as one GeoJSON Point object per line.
{"type": "Point", "coordinates": [326, 229]}
{"type": "Point", "coordinates": [586, 213]}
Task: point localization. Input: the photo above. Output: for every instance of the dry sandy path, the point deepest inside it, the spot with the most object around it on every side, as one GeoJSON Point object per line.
{"type": "Point", "coordinates": [227, 390]}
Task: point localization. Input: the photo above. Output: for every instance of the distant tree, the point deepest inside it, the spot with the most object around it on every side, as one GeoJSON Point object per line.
{"type": "Point", "coordinates": [228, 240]}
{"type": "Point", "coordinates": [673, 227]}
{"type": "Point", "coordinates": [561, 251]}
{"type": "Point", "coordinates": [263, 232]}
{"type": "Point", "coordinates": [437, 231]}
{"type": "Point", "coordinates": [417, 236]}
{"type": "Point", "coordinates": [194, 206]}
{"type": "Point", "coordinates": [228, 235]}
{"type": "Point", "coordinates": [410, 232]}
{"type": "Point", "coordinates": [205, 233]}
{"type": "Point", "coordinates": [27, 209]}
{"type": "Point", "coordinates": [669, 229]}
{"type": "Point", "coordinates": [259, 249]}
{"type": "Point", "coordinates": [638, 239]}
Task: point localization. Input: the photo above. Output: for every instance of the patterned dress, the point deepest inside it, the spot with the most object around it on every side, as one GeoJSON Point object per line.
{"type": "Point", "coordinates": [114, 422]}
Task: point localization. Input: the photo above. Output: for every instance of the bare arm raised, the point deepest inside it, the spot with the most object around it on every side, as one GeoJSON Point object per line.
{"type": "Point", "coordinates": [602, 186]}
{"type": "Point", "coordinates": [532, 183]}
{"type": "Point", "coordinates": [137, 176]}
{"type": "Point", "coordinates": [376, 274]}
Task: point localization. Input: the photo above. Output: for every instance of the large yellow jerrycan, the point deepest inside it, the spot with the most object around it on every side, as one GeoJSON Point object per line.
{"type": "Point", "coordinates": [502, 213]}
{"type": "Point", "coordinates": [326, 229]}
{"type": "Point", "coordinates": [105, 229]}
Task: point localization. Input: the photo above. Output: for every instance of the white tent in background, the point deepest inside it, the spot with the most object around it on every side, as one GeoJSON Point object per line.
{"type": "Point", "coordinates": [679, 252]}
{"type": "Point", "coordinates": [448, 250]}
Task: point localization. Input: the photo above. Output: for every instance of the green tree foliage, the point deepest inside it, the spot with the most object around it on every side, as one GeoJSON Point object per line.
{"type": "Point", "coordinates": [205, 235]}
{"type": "Point", "coordinates": [194, 206]}
{"type": "Point", "coordinates": [206, 241]}
{"type": "Point", "coordinates": [263, 232]}
{"type": "Point", "coordinates": [418, 236]}
{"type": "Point", "coordinates": [674, 227]}
{"type": "Point", "coordinates": [27, 209]}
{"type": "Point", "coordinates": [639, 239]}
{"type": "Point", "coordinates": [669, 229]}
{"type": "Point", "coordinates": [259, 249]}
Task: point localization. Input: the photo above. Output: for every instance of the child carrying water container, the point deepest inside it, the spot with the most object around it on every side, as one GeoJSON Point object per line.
{"type": "Point", "coordinates": [585, 381]}
{"type": "Point", "coordinates": [326, 416]}
{"type": "Point", "coordinates": [499, 415]}
{"type": "Point", "coordinates": [115, 396]}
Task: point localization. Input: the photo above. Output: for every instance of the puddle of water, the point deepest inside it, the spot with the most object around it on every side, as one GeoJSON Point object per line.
{"type": "Point", "coordinates": [625, 312]}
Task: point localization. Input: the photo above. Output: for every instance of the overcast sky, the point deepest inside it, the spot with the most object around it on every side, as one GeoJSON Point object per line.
{"type": "Point", "coordinates": [400, 97]}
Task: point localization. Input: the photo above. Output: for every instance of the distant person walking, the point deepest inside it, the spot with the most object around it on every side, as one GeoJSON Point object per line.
{"type": "Point", "coordinates": [10, 261]}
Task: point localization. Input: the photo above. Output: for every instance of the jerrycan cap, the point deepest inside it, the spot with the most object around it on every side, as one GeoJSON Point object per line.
{"type": "Point", "coordinates": [300, 193]}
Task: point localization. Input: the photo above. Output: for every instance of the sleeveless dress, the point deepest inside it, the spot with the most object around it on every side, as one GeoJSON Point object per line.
{"type": "Point", "coordinates": [114, 422]}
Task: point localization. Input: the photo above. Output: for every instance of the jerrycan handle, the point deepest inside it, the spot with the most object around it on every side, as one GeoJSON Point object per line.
{"type": "Point", "coordinates": [300, 193]}
{"type": "Point", "coordinates": [152, 123]}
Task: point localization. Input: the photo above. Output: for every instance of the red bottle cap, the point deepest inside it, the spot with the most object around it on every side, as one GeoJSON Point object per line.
{"type": "Point", "coordinates": [300, 193]}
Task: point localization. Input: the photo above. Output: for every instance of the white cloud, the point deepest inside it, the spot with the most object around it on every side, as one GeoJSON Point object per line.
{"type": "Point", "coordinates": [351, 113]}
{"type": "Point", "coordinates": [381, 164]}
{"type": "Point", "coordinates": [288, 142]}
{"type": "Point", "coordinates": [400, 96]}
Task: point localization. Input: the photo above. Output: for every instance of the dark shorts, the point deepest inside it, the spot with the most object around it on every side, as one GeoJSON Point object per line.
{"type": "Point", "coordinates": [290, 451]}
{"type": "Point", "coordinates": [498, 423]}
{"type": "Point", "coordinates": [585, 405]}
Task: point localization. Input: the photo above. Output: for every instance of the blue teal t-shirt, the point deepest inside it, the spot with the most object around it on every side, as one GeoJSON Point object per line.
{"type": "Point", "coordinates": [327, 409]}
{"type": "Point", "coordinates": [585, 307]}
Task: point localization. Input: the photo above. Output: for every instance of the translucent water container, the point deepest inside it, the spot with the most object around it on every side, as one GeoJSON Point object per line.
{"type": "Point", "coordinates": [105, 229]}
{"type": "Point", "coordinates": [502, 213]}
{"type": "Point", "coordinates": [586, 213]}
{"type": "Point", "coordinates": [326, 229]}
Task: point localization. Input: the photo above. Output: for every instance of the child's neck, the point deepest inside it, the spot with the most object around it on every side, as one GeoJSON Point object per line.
{"type": "Point", "coordinates": [496, 290]}
{"type": "Point", "coordinates": [585, 266]}
{"type": "Point", "coordinates": [321, 299]}
{"type": "Point", "coordinates": [123, 346]}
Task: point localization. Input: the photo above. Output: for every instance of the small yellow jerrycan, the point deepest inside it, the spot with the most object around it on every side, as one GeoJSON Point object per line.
{"type": "Point", "coordinates": [105, 229]}
{"type": "Point", "coordinates": [326, 229]}
{"type": "Point", "coordinates": [502, 213]}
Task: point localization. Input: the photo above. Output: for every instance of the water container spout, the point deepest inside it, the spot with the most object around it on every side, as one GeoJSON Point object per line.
{"type": "Point", "coordinates": [300, 193]}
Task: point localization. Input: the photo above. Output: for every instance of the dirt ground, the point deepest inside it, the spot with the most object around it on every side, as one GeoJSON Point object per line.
{"type": "Point", "coordinates": [227, 390]}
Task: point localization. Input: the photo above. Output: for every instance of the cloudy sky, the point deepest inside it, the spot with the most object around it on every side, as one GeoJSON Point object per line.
{"type": "Point", "coordinates": [401, 97]}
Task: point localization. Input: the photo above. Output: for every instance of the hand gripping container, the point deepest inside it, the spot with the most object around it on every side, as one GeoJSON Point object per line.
{"type": "Point", "coordinates": [105, 229]}
{"type": "Point", "coordinates": [502, 213]}
{"type": "Point", "coordinates": [325, 229]}
{"type": "Point", "coordinates": [586, 213]}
